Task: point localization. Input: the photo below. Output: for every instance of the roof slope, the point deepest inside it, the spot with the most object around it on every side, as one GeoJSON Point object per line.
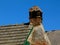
{"type": "Point", "coordinates": [54, 37]}
{"type": "Point", "coordinates": [13, 34]}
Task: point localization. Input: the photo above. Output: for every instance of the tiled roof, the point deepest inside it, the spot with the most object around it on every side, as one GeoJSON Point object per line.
{"type": "Point", "coordinates": [13, 34]}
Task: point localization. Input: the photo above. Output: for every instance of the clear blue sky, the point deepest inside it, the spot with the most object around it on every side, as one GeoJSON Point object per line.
{"type": "Point", "coordinates": [16, 12]}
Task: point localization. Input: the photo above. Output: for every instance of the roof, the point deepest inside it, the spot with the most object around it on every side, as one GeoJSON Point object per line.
{"type": "Point", "coordinates": [16, 35]}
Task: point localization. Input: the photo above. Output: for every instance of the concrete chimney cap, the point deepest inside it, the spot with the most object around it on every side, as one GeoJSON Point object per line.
{"type": "Point", "coordinates": [34, 8]}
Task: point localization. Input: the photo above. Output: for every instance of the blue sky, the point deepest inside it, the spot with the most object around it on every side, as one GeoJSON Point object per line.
{"type": "Point", "coordinates": [17, 12]}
